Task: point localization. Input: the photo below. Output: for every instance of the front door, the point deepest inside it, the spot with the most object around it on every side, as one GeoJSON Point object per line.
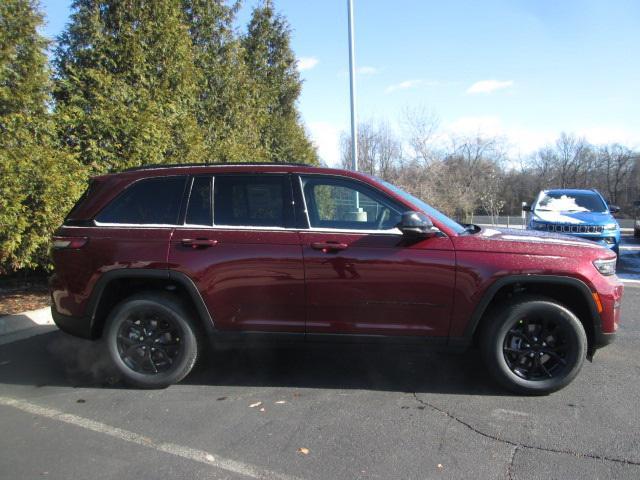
{"type": "Point", "coordinates": [236, 247]}
{"type": "Point", "coordinates": [362, 275]}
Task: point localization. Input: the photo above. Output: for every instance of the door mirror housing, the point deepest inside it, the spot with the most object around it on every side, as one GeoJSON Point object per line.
{"type": "Point", "coordinates": [526, 208]}
{"type": "Point", "coordinates": [416, 225]}
{"type": "Point", "coordinates": [614, 208]}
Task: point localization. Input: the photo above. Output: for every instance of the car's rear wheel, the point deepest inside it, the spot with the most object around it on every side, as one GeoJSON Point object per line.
{"type": "Point", "coordinates": [151, 340]}
{"type": "Point", "coordinates": [533, 346]}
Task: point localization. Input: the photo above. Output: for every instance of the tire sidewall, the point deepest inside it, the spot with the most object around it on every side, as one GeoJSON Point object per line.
{"type": "Point", "coordinates": [188, 340]}
{"type": "Point", "coordinates": [498, 364]}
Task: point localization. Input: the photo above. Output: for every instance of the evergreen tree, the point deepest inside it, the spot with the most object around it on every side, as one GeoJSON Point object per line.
{"type": "Point", "coordinates": [39, 183]}
{"type": "Point", "coordinates": [126, 85]}
{"type": "Point", "coordinates": [272, 64]}
{"type": "Point", "coordinates": [227, 108]}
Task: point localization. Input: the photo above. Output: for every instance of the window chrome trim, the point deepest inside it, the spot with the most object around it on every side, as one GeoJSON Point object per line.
{"type": "Point", "coordinates": [392, 231]}
{"type": "Point", "coordinates": [133, 225]}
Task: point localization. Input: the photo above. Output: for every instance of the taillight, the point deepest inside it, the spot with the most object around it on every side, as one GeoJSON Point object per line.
{"type": "Point", "coordinates": [69, 242]}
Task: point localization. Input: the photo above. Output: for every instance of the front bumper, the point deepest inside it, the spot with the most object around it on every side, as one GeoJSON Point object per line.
{"type": "Point", "coordinates": [603, 339]}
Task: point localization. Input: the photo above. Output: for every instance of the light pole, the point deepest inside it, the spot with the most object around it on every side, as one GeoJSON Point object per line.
{"type": "Point", "coordinates": [352, 82]}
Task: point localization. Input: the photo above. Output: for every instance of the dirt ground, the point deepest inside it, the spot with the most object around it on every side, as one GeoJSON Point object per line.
{"type": "Point", "coordinates": [23, 294]}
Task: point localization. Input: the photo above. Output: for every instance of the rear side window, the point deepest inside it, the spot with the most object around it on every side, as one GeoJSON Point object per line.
{"type": "Point", "coordinates": [200, 211]}
{"type": "Point", "coordinates": [150, 201]}
{"type": "Point", "coordinates": [250, 200]}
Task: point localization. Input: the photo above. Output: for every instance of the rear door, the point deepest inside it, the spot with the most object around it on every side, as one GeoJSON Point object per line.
{"type": "Point", "coordinates": [362, 275]}
{"type": "Point", "coordinates": [237, 245]}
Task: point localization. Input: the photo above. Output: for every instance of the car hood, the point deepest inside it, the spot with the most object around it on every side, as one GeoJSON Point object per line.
{"type": "Point", "coordinates": [529, 242]}
{"type": "Point", "coordinates": [573, 218]}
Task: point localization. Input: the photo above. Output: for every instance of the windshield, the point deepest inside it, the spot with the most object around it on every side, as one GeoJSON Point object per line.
{"type": "Point", "coordinates": [425, 207]}
{"type": "Point", "coordinates": [570, 202]}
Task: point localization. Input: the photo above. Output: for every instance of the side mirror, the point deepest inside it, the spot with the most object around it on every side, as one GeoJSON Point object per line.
{"type": "Point", "coordinates": [416, 225]}
{"type": "Point", "coordinates": [526, 208]}
{"type": "Point", "coordinates": [614, 208]}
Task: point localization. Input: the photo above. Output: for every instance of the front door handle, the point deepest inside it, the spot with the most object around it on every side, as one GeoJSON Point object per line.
{"type": "Point", "coordinates": [198, 242]}
{"type": "Point", "coordinates": [327, 247]}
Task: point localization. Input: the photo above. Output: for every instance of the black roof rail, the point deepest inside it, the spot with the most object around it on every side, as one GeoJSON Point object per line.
{"type": "Point", "coordinates": [249, 164]}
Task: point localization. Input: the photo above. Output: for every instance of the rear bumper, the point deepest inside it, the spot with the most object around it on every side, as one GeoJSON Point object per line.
{"type": "Point", "coordinates": [76, 326]}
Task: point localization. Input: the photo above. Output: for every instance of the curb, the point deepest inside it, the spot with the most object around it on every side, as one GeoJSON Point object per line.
{"type": "Point", "coordinates": [24, 325]}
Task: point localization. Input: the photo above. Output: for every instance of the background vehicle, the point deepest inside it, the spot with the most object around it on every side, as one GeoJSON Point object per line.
{"type": "Point", "coordinates": [580, 213]}
{"type": "Point", "coordinates": [154, 260]}
{"type": "Point", "coordinates": [636, 217]}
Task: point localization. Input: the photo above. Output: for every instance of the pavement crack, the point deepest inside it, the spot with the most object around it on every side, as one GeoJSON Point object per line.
{"type": "Point", "coordinates": [511, 462]}
{"type": "Point", "coordinates": [517, 445]}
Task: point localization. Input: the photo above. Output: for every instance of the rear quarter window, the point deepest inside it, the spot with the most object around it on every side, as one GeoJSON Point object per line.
{"type": "Point", "coordinates": [150, 201]}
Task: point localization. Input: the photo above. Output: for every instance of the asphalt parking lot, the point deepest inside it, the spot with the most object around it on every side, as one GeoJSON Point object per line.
{"type": "Point", "coordinates": [318, 412]}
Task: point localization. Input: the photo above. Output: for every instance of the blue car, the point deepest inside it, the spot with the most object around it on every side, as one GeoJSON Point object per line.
{"type": "Point", "coordinates": [580, 213]}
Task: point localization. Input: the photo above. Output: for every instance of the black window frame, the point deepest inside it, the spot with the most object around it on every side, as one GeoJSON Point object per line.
{"type": "Point", "coordinates": [179, 214]}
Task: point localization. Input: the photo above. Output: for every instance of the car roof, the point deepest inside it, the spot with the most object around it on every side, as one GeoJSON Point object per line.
{"type": "Point", "coordinates": [206, 168]}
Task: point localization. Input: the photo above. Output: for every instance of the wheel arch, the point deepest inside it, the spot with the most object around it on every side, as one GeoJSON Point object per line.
{"type": "Point", "coordinates": [570, 292]}
{"type": "Point", "coordinates": [116, 285]}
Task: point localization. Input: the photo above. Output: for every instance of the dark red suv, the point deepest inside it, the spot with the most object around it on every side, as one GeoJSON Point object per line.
{"type": "Point", "coordinates": [156, 259]}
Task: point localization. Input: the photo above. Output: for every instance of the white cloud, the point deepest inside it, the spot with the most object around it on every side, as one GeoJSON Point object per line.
{"type": "Point", "coordinates": [403, 85]}
{"type": "Point", "coordinates": [326, 138]}
{"type": "Point", "coordinates": [366, 70]}
{"type": "Point", "coordinates": [489, 86]}
{"type": "Point", "coordinates": [307, 63]}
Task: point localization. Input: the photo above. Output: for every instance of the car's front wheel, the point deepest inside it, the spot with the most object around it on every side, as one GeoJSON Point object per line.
{"type": "Point", "coordinates": [533, 346]}
{"type": "Point", "coordinates": [152, 340]}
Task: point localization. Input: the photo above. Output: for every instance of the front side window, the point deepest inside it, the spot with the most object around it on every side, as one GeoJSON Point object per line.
{"type": "Point", "coordinates": [348, 205]}
{"type": "Point", "coordinates": [250, 200]}
{"type": "Point", "coordinates": [154, 201]}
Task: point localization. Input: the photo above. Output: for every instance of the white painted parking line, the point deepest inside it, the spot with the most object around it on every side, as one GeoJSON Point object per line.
{"type": "Point", "coordinates": [178, 450]}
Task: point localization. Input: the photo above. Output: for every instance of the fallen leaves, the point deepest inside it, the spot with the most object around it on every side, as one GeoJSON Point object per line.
{"type": "Point", "coordinates": [303, 451]}
{"type": "Point", "coordinates": [254, 405]}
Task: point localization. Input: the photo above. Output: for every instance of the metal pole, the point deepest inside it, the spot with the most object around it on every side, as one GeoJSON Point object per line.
{"type": "Point", "coordinates": [352, 81]}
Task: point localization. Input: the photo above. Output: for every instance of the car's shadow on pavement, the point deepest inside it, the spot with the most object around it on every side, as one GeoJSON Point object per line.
{"type": "Point", "coordinates": [57, 359]}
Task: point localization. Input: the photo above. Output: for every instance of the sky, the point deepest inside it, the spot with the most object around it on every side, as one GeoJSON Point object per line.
{"type": "Point", "coordinates": [526, 70]}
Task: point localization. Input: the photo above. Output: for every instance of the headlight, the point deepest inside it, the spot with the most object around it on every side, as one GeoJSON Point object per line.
{"type": "Point", "coordinates": [611, 226]}
{"type": "Point", "coordinates": [605, 267]}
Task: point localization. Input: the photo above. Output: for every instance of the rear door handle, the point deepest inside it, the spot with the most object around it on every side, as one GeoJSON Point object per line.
{"type": "Point", "coordinates": [329, 246]}
{"type": "Point", "coordinates": [198, 242]}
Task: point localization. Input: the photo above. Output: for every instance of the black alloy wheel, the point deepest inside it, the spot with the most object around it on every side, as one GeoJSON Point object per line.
{"type": "Point", "coordinates": [152, 339]}
{"type": "Point", "coordinates": [533, 345]}
{"type": "Point", "coordinates": [536, 349]}
{"type": "Point", "coordinates": [149, 341]}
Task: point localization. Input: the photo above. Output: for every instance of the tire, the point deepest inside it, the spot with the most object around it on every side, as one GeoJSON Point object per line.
{"type": "Point", "coordinates": [152, 340]}
{"type": "Point", "coordinates": [533, 346]}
